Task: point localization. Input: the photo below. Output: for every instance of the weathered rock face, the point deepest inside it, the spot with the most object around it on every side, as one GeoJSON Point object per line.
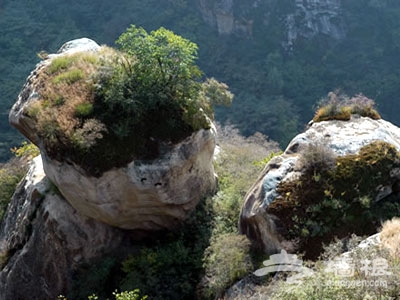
{"type": "Point", "coordinates": [143, 195]}
{"type": "Point", "coordinates": [43, 240]}
{"type": "Point", "coordinates": [343, 138]}
{"type": "Point", "coordinates": [303, 18]}
{"type": "Point", "coordinates": [220, 15]}
{"type": "Point", "coordinates": [148, 196]}
{"type": "Point", "coordinates": [313, 17]}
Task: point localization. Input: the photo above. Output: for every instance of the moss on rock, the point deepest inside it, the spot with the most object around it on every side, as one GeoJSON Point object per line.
{"type": "Point", "coordinates": [324, 203]}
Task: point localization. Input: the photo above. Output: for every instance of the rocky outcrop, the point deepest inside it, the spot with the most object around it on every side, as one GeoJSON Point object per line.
{"type": "Point", "coordinates": [59, 217]}
{"type": "Point", "coordinates": [313, 17]}
{"type": "Point", "coordinates": [220, 15]}
{"type": "Point", "coordinates": [147, 195]}
{"type": "Point", "coordinates": [306, 18]}
{"type": "Point", "coordinates": [343, 138]}
{"type": "Point", "coordinates": [43, 240]}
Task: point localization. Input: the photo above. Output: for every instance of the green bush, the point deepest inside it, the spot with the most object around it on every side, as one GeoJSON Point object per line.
{"type": "Point", "coordinates": [26, 150]}
{"type": "Point", "coordinates": [95, 278]}
{"type": "Point", "coordinates": [226, 260]}
{"type": "Point", "coordinates": [11, 174]}
{"type": "Point", "coordinates": [69, 77]}
{"type": "Point", "coordinates": [155, 92]}
{"type": "Point", "coordinates": [162, 272]}
{"type": "Point", "coordinates": [59, 63]}
{"type": "Point", "coordinates": [83, 110]}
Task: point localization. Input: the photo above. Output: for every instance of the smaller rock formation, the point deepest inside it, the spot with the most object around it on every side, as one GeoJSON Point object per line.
{"type": "Point", "coordinates": [284, 175]}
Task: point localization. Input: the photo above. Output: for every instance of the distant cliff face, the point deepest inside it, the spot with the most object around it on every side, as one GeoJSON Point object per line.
{"type": "Point", "coordinates": [302, 18]}
{"type": "Point", "coordinates": [313, 17]}
{"type": "Point", "coordinates": [220, 15]}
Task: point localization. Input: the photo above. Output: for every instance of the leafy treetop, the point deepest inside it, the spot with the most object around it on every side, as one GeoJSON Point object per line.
{"type": "Point", "coordinates": [162, 58]}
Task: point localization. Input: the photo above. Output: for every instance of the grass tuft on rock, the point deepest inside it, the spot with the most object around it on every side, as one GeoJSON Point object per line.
{"type": "Point", "coordinates": [340, 107]}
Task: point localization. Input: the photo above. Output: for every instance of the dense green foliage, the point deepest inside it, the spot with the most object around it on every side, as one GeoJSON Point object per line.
{"type": "Point", "coordinates": [275, 89]}
{"type": "Point", "coordinates": [104, 109]}
{"type": "Point", "coordinates": [10, 175]}
{"type": "Point", "coordinates": [335, 196]}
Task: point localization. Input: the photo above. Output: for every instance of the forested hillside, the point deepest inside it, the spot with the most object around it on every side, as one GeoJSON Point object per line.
{"type": "Point", "coordinates": [278, 57]}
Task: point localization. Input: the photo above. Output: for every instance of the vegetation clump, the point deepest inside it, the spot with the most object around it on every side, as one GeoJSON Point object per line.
{"type": "Point", "coordinates": [13, 171]}
{"type": "Point", "coordinates": [227, 260]}
{"type": "Point", "coordinates": [106, 108]}
{"type": "Point", "coordinates": [340, 107]}
{"type": "Point", "coordinates": [325, 202]}
{"type": "Point", "coordinates": [390, 236]}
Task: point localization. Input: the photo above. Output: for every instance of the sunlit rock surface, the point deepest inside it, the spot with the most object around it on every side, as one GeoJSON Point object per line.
{"type": "Point", "coordinates": [343, 138]}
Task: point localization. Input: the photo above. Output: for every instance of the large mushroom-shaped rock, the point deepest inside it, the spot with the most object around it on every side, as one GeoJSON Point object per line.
{"type": "Point", "coordinates": [336, 178]}
{"type": "Point", "coordinates": [142, 195]}
{"type": "Point", "coordinates": [149, 194]}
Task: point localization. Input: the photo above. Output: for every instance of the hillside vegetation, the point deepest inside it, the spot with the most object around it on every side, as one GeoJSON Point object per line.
{"type": "Point", "coordinates": [275, 89]}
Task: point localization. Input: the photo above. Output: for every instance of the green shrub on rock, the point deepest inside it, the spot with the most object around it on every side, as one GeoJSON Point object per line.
{"type": "Point", "coordinates": [13, 171]}
{"type": "Point", "coordinates": [142, 99]}
{"type": "Point", "coordinates": [10, 176]}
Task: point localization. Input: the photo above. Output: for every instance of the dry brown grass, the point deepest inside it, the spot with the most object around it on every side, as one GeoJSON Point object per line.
{"type": "Point", "coordinates": [340, 107]}
{"type": "Point", "coordinates": [62, 92]}
{"type": "Point", "coordinates": [390, 236]}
